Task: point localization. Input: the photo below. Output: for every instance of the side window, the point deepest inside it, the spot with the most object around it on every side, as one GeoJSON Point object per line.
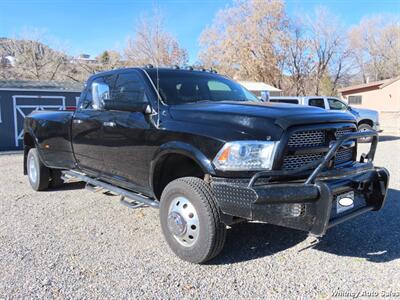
{"type": "Point", "coordinates": [318, 102]}
{"type": "Point", "coordinates": [336, 104]}
{"type": "Point", "coordinates": [85, 101]}
{"type": "Point", "coordinates": [128, 88]}
{"type": "Point", "coordinates": [355, 99]}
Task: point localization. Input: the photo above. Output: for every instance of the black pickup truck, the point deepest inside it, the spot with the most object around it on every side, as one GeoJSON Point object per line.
{"type": "Point", "coordinates": [208, 154]}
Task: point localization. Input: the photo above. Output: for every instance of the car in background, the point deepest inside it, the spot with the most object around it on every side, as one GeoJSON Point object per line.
{"type": "Point", "coordinates": [367, 119]}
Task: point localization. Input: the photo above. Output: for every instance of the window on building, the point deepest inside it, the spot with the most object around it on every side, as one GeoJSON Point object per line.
{"type": "Point", "coordinates": [355, 99]}
{"type": "Point", "coordinates": [1, 120]}
{"type": "Point", "coordinates": [318, 102]}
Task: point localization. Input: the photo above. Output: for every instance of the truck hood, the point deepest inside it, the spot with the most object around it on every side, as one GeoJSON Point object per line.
{"type": "Point", "coordinates": [255, 115]}
{"type": "Point", "coordinates": [364, 112]}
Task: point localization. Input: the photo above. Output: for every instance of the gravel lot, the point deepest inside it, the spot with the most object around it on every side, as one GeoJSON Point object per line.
{"type": "Point", "coordinates": [77, 244]}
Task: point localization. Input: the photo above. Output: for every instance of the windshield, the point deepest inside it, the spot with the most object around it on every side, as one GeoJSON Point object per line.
{"type": "Point", "coordinates": [181, 86]}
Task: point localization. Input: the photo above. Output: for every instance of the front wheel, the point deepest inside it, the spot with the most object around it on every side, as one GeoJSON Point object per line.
{"type": "Point", "coordinates": [190, 220]}
{"type": "Point", "coordinates": [38, 173]}
{"type": "Point", "coordinates": [363, 128]}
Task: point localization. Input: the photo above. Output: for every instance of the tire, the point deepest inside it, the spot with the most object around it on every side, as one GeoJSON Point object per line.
{"type": "Point", "coordinates": [201, 211]}
{"type": "Point", "coordinates": [38, 173]}
{"type": "Point", "coordinates": [365, 127]}
{"type": "Point", "coordinates": [56, 180]}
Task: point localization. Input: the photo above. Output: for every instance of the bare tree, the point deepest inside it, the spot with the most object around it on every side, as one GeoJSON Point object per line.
{"type": "Point", "coordinates": [5, 64]}
{"type": "Point", "coordinates": [79, 69]}
{"type": "Point", "coordinates": [329, 48]}
{"type": "Point", "coordinates": [151, 44]}
{"type": "Point", "coordinates": [110, 60]}
{"type": "Point", "coordinates": [376, 47]}
{"type": "Point", "coordinates": [33, 58]}
{"type": "Point", "coordinates": [299, 60]}
{"type": "Point", "coordinates": [247, 41]}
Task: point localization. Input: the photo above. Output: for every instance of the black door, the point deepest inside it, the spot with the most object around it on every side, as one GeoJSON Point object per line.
{"type": "Point", "coordinates": [127, 145]}
{"type": "Point", "coordinates": [86, 135]}
{"type": "Point", "coordinates": [87, 127]}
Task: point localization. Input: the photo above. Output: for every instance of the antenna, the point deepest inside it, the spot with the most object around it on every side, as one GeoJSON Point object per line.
{"type": "Point", "coordinates": [157, 75]}
{"type": "Point", "coordinates": [158, 98]}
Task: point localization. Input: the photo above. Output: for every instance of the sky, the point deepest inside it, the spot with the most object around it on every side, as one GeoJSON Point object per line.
{"type": "Point", "coordinates": [90, 26]}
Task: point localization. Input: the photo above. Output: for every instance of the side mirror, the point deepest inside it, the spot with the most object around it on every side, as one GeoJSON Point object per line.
{"type": "Point", "coordinates": [142, 107]}
{"type": "Point", "coordinates": [100, 94]}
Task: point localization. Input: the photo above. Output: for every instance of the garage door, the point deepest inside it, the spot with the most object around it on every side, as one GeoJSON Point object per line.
{"type": "Point", "coordinates": [25, 104]}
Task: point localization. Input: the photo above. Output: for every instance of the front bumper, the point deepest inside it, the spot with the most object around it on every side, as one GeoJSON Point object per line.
{"type": "Point", "coordinates": [307, 204]}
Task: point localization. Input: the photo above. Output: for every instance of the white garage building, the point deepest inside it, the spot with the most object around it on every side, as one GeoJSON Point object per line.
{"type": "Point", "coordinates": [258, 87]}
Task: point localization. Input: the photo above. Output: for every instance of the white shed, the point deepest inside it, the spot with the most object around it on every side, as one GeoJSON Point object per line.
{"type": "Point", "coordinates": [258, 87]}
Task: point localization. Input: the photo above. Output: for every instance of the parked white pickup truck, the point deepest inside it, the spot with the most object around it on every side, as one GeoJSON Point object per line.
{"type": "Point", "coordinates": [367, 119]}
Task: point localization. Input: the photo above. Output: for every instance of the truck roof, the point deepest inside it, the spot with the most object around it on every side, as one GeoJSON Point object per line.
{"type": "Point", "coordinates": [150, 69]}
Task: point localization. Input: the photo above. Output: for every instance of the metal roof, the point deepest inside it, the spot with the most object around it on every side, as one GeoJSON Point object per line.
{"type": "Point", "coordinates": [259, 86]}
{"type": "Point", "coordinates": [379, 84]}
{"type": "Point", "coordinates": [40, 85]}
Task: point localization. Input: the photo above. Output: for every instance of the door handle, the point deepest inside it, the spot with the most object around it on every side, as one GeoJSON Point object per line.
{"type": "Point", "coordinates": [109, 124]}
{"type": "Point", "coordinates": [77, 121]}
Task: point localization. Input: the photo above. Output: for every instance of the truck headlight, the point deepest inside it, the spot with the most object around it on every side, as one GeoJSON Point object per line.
{"type": "Point", "coordinates": [246, 156]}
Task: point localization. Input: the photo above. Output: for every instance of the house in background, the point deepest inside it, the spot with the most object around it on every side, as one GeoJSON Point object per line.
{"type": "Point", "coordinates": [19, 98]}
{"type": "Point", "coordinates": [258, 87]}
{"type": "Point", "coordinates": [383, 96]}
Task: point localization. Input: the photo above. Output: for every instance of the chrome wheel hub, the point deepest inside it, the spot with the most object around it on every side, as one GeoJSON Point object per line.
{"type": "Point", "coordinates": [32, 170]}
{"type": "Point", "coordinates": [183, 221]}
{"type": "Point", "coordinates": [176, 224]}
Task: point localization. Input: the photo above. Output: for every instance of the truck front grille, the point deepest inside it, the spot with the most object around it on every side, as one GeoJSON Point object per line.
{"type": "Point", "coordinates": [343, 156]}
{"type": "Point", "coordinates": [342, 131]}
{"type": "Point", "coordinates": [309, 139]}
{"type": "Point", "coordinates": [293, 162]}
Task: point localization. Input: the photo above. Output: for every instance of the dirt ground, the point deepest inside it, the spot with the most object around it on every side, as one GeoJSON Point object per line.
{"type": "Point", "coordinates": [72, 243]}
